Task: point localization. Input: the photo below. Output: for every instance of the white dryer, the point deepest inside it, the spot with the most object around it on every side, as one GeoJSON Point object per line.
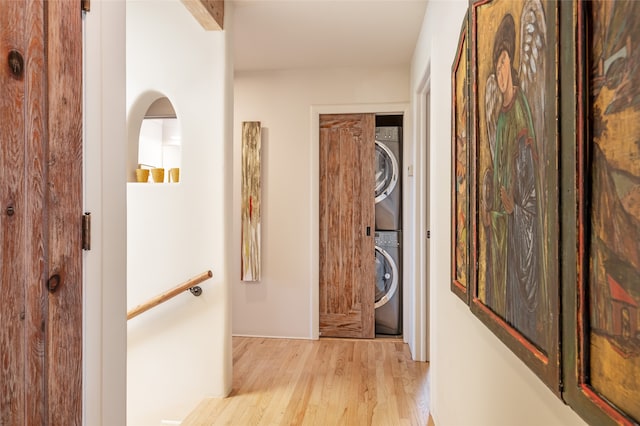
{"type": "Point", "coordinates": [388, 191]}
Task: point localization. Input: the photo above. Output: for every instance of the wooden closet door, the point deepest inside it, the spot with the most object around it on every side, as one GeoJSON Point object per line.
{"type": "Point", "coordinates": [14, 321]}
{"type": "Point", "coordinates": [347, 280]}
{"type": "Point", "coordinates": [40, 212]}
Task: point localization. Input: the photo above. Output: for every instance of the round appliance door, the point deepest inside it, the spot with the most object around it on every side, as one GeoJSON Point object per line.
{"type": "Point", "coordinates": [386, 172]}
{"type": "Point", "coordinates": [386, 277]}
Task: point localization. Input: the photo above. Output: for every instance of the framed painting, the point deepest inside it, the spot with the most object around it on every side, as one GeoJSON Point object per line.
{"type": "Point", "coordinates": [602, 295]}
{"type": "Point", "coordinates": [460, 171]}
{"type": "Point", "coordinates": [250, 186]}
{"type": "Point", "coordinates": [516, 291]}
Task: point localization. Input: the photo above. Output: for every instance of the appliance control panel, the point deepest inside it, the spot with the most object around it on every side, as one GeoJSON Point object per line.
{"type": "Point", "coordinates": [388, 134]}
{"type": "Point", "coordinates": [387, 239]}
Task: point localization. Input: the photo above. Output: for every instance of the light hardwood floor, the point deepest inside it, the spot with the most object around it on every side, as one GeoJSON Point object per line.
{"type": "Point", "coordinates": [323, 382]}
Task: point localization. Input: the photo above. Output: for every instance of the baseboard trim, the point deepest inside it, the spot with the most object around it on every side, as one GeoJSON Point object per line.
{"type": "Point", "coordinates": [262, 336]}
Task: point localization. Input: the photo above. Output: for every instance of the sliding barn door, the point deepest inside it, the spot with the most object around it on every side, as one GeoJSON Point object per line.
{"type": "Point", "coordinates": [346, 225]}
{"type": "Point", "coordinates": [40, 212]}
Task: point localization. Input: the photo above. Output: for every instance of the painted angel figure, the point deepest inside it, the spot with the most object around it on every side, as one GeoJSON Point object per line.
{"type": "Point", "coordinates": [512, 198]}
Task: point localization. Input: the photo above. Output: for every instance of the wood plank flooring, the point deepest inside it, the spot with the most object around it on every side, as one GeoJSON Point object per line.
{"type": "Point", "coordinates": [322, 382]}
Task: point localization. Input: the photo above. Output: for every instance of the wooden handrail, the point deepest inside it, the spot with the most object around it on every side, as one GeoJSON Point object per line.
{"type": "Point", "coordinates": [163, 297]}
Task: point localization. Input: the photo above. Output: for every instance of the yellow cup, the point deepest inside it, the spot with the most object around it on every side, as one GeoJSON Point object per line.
{"type": "Point", "coordinates": [142, 175]}
{"type": "Point", "coordinates": [157, 174]}
{"type": "Point", "coordinates": [174, 175]}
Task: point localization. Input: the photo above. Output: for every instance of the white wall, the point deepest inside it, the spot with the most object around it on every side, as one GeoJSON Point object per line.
{"type": "Point", "coordinates": [475, 379]}
{"type": "Point", "coordinates": [282, 303]}
{"type": "Point", "coordinates": [179, 352]}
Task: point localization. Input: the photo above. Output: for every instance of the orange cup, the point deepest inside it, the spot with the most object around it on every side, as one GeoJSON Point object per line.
{"type": "Point", "coordinates": [174, 175]}
{"type": "Point", "coordinates": [157, 174]}
{"type": "Point", "coordinates": [142, 175]}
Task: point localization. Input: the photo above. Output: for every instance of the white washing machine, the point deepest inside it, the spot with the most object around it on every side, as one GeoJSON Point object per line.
{"type": "Point", "coordinates": [388, 191]}
{"type": "Point", "coordinates": [388, 304]}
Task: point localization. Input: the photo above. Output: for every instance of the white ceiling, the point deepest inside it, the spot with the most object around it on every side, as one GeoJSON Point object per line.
{"type": "Point", "coordinates": [280, 34]}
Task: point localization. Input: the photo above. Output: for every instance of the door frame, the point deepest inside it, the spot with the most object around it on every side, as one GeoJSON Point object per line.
{"type": "Point", "coordinates": [104, 336]}
{"type": "Point", "coordinates": [422, 146]}
{"type": "Point", "coordinates": [414, 294]}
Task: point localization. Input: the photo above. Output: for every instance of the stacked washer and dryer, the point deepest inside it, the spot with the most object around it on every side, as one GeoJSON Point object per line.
{"type": "Point", "coordinates": [388, 223]}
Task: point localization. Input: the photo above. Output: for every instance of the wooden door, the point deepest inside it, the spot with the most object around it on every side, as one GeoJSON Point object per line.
{"type": "Point", "coordinates": [40, 212]}
{"type": "Point", "coordinates": [347, 280]}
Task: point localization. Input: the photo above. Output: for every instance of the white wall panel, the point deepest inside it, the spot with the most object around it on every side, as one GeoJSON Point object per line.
{"type": "Point", "coordinates": [178, 352]}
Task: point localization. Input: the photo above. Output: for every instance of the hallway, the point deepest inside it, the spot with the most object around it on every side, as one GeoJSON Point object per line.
{"type": "Point", "coordinates": [320, 382]}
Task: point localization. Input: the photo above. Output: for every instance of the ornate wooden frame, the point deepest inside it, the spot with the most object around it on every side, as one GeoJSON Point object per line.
{"type": "Point", "coordinates": [460, 167]}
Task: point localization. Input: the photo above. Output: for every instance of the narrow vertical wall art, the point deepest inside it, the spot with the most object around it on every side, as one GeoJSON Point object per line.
{"type": "Point", "coordinates": [460, 143]}
{"type": "Point", "coordinates": [250, 210]}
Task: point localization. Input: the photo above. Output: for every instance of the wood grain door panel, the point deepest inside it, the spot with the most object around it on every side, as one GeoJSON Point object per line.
{"type": "Point", "coordinates": [40, 212]}
{"type": "Point", "coordinates": [346, 210]}
{"type": "Point", "coordinates": [12, 222]}
{"type": "Point", "coordinates": [64, 212]}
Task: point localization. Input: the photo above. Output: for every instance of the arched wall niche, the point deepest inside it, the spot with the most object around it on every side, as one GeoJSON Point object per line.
{"type": "Point", "coordinates": [153, 114]}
